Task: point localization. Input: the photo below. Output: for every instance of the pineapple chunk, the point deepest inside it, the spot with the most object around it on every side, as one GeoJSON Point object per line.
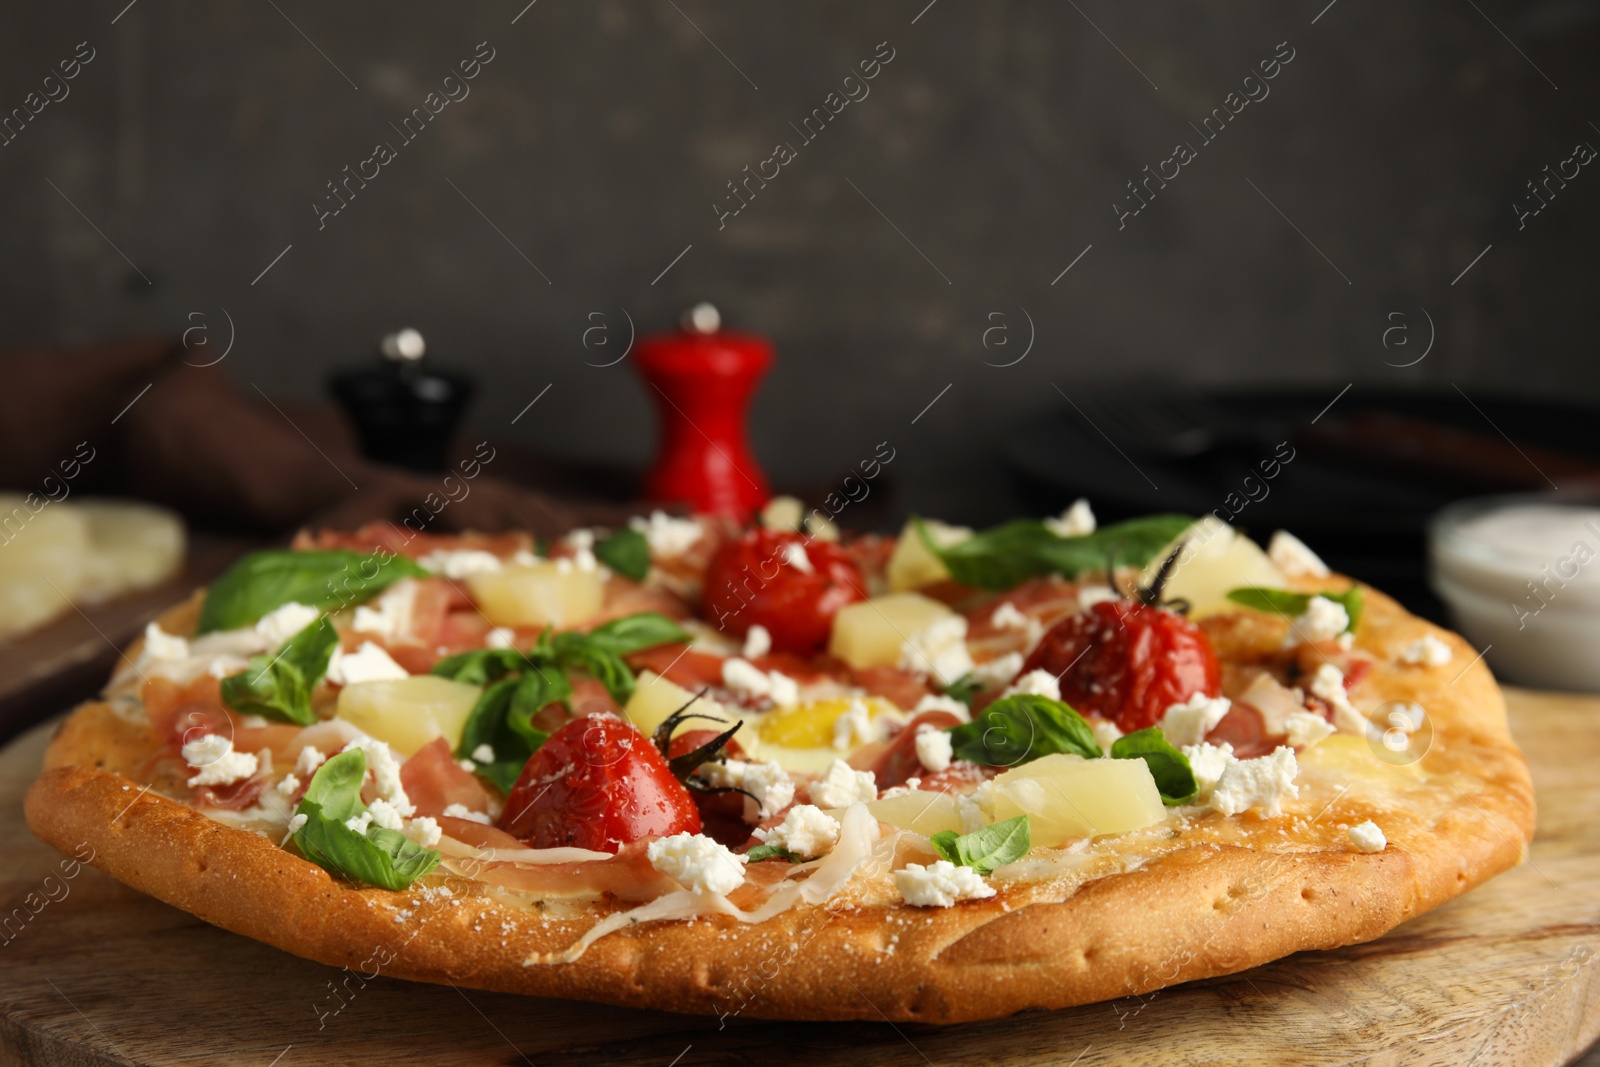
{"type": "Point", "coordinates": [655, 699]}
{"type": "Point", "coordinates": [912, 566]}
{"type": "Point", "coordinates": [538, 594]}
{"type": "Point", "coordinates": [919, 811]}
{"type": "Point", "coordinates": [869, 633]}
{"type": "Point", "coordinates": [1216, 558]}
{"type": "Point", "coordinates": [1067, 797]}
{"type": "Point", "coordinates": [811, 725]}
{"type": "Point", "coordinates": [409, 712]}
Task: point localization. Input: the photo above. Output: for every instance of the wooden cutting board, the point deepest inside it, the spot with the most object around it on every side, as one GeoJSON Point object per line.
{"type": "Point", "coordinates": [1505, 975]}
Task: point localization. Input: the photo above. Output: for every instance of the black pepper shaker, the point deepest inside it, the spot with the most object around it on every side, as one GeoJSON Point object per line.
{"type": "Point", "coordinates": [405, 413]}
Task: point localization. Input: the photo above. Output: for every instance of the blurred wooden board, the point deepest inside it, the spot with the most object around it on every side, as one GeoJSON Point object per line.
{"type": "Point", "coordinates": [70, 659]}
{"type": "Point", "coordinates": [1505, 975]}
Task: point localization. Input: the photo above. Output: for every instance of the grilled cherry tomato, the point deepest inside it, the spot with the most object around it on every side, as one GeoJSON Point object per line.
{"type": "Point", "coordinates": [1127, 662]}
{"type": "Point", "coordinates": [752, 580]}
{"type": "Point", "coordinates": [597, 783]}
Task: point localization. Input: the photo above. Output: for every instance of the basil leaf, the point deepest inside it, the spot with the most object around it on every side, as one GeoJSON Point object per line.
{"type": "Point", "coordinates": [772, 852]}
{"type": "Point", "coordinates": [519, 684]}
{"type": "Point", "coordinates": [627, 552]}
{"type": "Point", "coordinates": [512, 737]}
{"type": "Point", "coordinates": [964, 688]}
{"type": "Point", "coordinates": [1025, 548]}
{"type": "Point", "coordinates": [1284, 602]}
{"type": "Point", "coordinates": [1023, 727]}
{"type": "Point", "coordinates": [1168, 766]}
{"type": "Point", "coordinates": [279, 687]}
{"type": "Point", "coordinates": [577, 651]}
{"type": "Point", "coordinates": [987, 849]}
{"type": "Point", "coordinates": [536, 689]}
{"type": "Point", "coordinates": [380, 857]}
{"type": "Point", "coordinates": [480, 666]}
{"type": "Point", "coordinates": [328, 579]}
{"type": "Point", "coordinates": [635, 633]}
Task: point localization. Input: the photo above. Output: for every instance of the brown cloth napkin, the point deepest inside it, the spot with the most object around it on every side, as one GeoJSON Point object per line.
{"type": "Point", "coordinates": [231, 458]}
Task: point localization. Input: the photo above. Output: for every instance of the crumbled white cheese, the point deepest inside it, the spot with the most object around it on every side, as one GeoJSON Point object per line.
{"type": "Point", "coordinates": [775, 685]}
{"type": "Point", "coordinates": [282, 623]}
{"type": "Point", "coordinates": [999, 670]}
{"type": "Point", "coordinates": [806, 831]}
{"type": "Point", "coordinates": [976, 809]}
{"type": "Point", "coordinates": [359, 823]}
{"type": "Point", "coordinates": [1406, 717]}
{"type": "Point", "coordinates": [768, 782]}
{"type": "Point", "coordinates": [1105, 734]}
{"type": "Point", "coordinates": [461, 811]}
{"type": "Point", "coordinates": [1208, 762]}
{"type": "Point", "coordinates": [384, 814]}
{"type": "Point", "coordinates": [1425, 651]}
{"type": "Point", "coordinates": [369, 663]}
{"type": "Point", "coordinates": [697, 862]}
{"type": "Point", "coordinates": [939, 649]}
{"type": "Point", "coordinates": [385, 771]}
{"type": "Point", "coordinates": [390, 615]}
{"type": "Point", "coordinates": [1305, 728]}
{"type": "Point", "coordinates": [310, 759]}
{"type": "Point", "coordinates": [1328, 683]}
{"type": "Point", "coordinates": [1188, 724]}
{"type": "Point", "coordinates": [1257, 783]}
{"type": "Point", "coordinates": [500, 637]}
{"type": "Point", "coordinates": [1090, 595]}
{"type": "Point", "coordinates": [854, 726]}
{"type": "Point", "coordinates": [1076, 521]}
{"type": "Point", "coordinates": [1323, 620]}
{"type": "Point", "coordinates": [424, 830]}
{"type": "Point", "coordinates": [940, 884]}
{"type": "Point", "coordinates": [160, 645]}
{"type": "Point", "coordinates": [216, 762]}
{"type": "Point", "coordinates": [1291, 556]}
{"type": "Point", "coordinates": [667, 536]}
{"type": "Point", "coordinates": [296, 822]}
{"type": "Point", "coordinates": [757, 642]}
{"type": "Point", "coordinates": [940, 702]}
{"type": "Point", "coordinates": [1039, 683]}
{"type": "Point", "coordinates": [483, 754]}
{"type": "Point", "coordinates": [460, 563]}
{"type": "Point", "coordinates": [934, 750]}
{"type": "Point", "coordinates": [911, 785]}
{"type": "Point", "coordinates": [1007, 617]}
{"type": "Point", "coordinates": [1368, 837]}
{"type": "Point", "coordinates": [289, 786]}
{"type": "Point", "coordinates": [794, 554]}
{"type": "Point", "coordinates": [582, 542]}
{"type": "Point", "coordinates": [842, 786]}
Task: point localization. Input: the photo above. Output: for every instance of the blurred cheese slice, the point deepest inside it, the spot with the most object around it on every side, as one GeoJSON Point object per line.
{"type": "Point", "coordinates": [79, 552]}
{"type": "Point", "coordinates": [44, 556]}
{"type": "Point", "coordinates": [131, 546]}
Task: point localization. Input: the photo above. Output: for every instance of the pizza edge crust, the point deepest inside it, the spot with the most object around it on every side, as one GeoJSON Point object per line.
{"type": "Point", "coordinates": [1198, 912]}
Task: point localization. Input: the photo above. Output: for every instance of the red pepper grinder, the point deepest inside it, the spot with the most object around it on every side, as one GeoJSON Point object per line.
{"type": "Point", "coordinates": [703, 378]}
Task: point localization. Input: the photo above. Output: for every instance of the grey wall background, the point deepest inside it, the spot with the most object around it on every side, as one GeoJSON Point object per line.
{"type": "Point", "coordinates": [995, 143]}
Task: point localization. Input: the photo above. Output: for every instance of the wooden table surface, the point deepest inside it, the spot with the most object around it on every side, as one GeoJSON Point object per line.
{"type": "Point", "coordinates": [93, 973]}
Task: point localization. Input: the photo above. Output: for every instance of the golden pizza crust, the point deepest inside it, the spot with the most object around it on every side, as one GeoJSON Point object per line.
{"type": "Point", "coordinates": [1214, 897]}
